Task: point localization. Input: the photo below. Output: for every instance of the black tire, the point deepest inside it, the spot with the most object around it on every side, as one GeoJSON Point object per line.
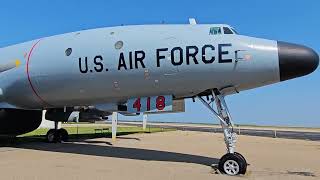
{"type": "Point", "coordinates": [244, 159]}
{"type": "Point", "coordinates": [51, 136]}
{"type": "Point", "coordinates": [63, 134]}
{"type": "Point", "coordinates": [57, 136]}
{"type": "Point", "coordinates": [237, 161]}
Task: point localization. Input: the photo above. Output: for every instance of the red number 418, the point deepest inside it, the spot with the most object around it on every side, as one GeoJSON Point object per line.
{"type": "Point", "coordinates": [160, 103]}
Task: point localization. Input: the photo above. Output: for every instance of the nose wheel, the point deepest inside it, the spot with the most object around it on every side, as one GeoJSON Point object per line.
{"type": "Point", "coordinates": [232, 163]}
{"type": "Point", "coordinates": [57, 135]}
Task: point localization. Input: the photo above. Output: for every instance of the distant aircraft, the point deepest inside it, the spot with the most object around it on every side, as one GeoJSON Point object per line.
{"type": "Point", "coordinates": [143, 68]}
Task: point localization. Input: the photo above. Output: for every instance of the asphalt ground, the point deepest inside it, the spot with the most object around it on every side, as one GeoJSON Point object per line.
{"type": "Point", "coordinates": [173, 155]}
{"type": "Point", "coordinates": [302, 135]}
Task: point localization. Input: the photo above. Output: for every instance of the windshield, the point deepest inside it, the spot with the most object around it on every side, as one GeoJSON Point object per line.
{"type": "Point", "coordinates": [234, 31]}
{"type": "Point", "coordinates": [215, 30]}
{"type": "Point", "coordinates": [227, 30]}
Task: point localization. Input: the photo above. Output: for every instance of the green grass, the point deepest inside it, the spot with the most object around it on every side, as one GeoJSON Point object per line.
{"type": "Point", "coordinates": [80, 133]}
{"type": "Point", "coordinates": [89, 131]}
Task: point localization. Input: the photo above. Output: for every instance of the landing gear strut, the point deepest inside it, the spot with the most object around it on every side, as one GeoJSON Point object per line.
{"type": "Point", "coordinates": [232, 163]}
{"type": "Point", "coordinates": [57, 135]}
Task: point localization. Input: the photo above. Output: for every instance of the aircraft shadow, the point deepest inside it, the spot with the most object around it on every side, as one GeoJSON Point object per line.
{"type": "Point", "coordinates": [118, 152]}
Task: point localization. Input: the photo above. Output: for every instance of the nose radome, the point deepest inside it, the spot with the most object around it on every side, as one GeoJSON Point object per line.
{"type": "Point", "coordinates": [296, 60]}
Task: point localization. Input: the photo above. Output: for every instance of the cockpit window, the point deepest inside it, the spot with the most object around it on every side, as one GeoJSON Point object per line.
{"type": "Point", "coordinates": [215, 31]}
{"type": "Point", "coordinates": [226, 30]}
{"type": "Point", "coordinates": [234, 31]}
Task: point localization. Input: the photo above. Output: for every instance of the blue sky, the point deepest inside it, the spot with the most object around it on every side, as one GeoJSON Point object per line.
{"type": "Point", "coordinates": [294, 103]}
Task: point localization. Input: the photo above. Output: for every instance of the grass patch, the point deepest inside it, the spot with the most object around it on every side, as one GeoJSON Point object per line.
{"type": "Point", "coordinates": [78, 133]}
{"type": "Point", "coordinates": [91, 131]}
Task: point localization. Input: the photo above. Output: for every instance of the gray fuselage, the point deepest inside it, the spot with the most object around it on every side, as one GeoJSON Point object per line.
{"type": "Point", "coordinates": [111, 65]}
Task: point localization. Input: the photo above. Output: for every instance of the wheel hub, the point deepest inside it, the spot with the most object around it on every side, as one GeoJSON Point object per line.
{"type": "Point", "coordinates": [231, 167]}
{"type": "Point", "coordinates": [51, 137]}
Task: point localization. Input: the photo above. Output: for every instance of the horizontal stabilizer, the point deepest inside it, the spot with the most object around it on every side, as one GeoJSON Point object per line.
{"type": "Point", "coordinates": [8, 66]}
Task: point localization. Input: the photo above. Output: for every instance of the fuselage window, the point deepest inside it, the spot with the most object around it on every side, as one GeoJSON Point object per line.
{"type": "Point", "coordinates": [118, 45]}
{"type": "Point", "coordinates": [68, 52]}
{"type": "Point", "coordinates": [227, 30]}
{"type": "Point", "coordinates": [215, 31]}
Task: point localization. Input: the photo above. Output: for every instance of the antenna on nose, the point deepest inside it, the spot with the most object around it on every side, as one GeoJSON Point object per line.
{"type": "Point", "coordinates": [192, 21]}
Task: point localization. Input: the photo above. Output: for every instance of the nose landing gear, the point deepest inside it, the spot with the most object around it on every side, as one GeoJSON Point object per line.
{"type": "Point", "coordinates": [232, 163]}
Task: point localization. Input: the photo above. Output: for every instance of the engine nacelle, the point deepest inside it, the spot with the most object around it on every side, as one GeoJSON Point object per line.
{"type": "Point", "coordinates": [15, 122]}
{"type": "Point", "coordinates": [58, 115]}
{"type": "Point", "coordinates": [76, 115]}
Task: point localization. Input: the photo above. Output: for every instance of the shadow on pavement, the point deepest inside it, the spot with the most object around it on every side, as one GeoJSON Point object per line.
{"type": "Point", "coordinates": [115, 152]}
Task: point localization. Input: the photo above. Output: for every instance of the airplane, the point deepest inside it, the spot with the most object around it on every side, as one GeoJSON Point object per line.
{"type": "Point", "coordinates": [141, 68]}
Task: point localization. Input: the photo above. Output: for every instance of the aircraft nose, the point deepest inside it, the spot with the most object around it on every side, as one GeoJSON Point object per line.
{"type": "Point", "coordinates": [296, 60]}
